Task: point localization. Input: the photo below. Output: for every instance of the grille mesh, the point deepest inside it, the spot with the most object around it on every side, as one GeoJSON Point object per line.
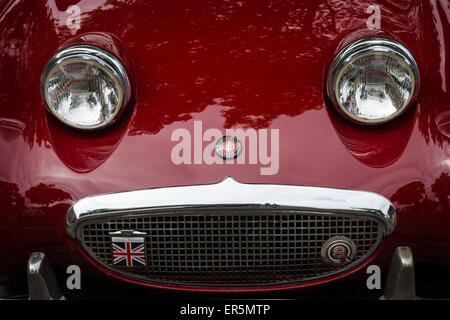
{"type": "Point", "coordinates": [233, 248]}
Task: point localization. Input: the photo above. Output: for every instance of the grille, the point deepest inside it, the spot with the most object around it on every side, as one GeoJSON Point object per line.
{"type": "Point", "coordinates": [233, 248]}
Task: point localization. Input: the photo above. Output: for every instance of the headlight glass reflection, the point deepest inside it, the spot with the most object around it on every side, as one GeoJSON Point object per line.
{"type": "Point", "coordinates": [85, 87]}
{"type": "Point", "coordinates": [373, 80]}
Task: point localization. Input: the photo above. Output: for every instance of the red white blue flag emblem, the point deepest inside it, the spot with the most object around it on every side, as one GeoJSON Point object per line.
{"type": "Point", "coordinates": [128, 251]}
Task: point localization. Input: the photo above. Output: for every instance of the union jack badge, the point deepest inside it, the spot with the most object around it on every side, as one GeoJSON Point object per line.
{"type": "Point", "coordinates": [128, 249]}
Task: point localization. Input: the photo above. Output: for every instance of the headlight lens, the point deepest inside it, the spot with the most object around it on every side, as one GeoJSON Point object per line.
{"type": "Point", "coordinates": [85, 87]}
{"type": "Point", "coordinates": [373, 80]}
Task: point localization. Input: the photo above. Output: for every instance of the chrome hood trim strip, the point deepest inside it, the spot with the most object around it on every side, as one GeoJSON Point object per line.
{"type": "Point", "coordinates": [230, 193]}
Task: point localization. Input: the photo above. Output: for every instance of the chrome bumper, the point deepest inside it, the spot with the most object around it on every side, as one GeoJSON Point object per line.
{"type": "Point", "coordinates": [400, 282]}
{"type": "Point", "coordinates": [42, 283]}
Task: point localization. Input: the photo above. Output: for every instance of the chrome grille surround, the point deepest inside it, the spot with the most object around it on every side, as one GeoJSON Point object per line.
{"type": "Point", "coordinates": [226, 242]}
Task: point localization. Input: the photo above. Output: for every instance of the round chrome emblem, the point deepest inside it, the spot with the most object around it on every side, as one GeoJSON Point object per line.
{"type": "Point", "coordinates": [228, 147]}
{"type": "Point", "coordinates": [338, 250]}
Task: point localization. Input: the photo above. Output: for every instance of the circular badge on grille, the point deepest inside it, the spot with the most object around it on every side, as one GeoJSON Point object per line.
{"type": "Point", "coordinates": [338, 250]}
{"type": "Point", "coordinates": [228, 147]}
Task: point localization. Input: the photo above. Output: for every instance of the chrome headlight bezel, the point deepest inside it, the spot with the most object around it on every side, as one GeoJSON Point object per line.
{"type": "Point", "coordinates": [370, 46]}
{"type": "Point", "coordinates": [102, 59]}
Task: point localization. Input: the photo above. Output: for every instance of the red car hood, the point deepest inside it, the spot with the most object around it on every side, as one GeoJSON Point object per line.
{"type": "Point", "coordinates": [229, 64]}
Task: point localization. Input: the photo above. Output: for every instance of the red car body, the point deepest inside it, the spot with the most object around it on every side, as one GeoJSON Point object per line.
{"type": "Point", "coordinates": [249, 64]}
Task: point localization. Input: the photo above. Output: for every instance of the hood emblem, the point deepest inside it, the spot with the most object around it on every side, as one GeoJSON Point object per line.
{"type": "Point", "coordinates": [228, 147]}
{"type": "Point", "coordinates": [338, 250]}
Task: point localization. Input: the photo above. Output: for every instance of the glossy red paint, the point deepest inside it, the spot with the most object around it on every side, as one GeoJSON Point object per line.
{"type": "Point", "coordinates": [257, 64]}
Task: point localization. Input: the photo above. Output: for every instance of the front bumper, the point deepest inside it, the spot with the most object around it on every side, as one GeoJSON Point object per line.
{"type": "Point", "coordinates": [399, 285]}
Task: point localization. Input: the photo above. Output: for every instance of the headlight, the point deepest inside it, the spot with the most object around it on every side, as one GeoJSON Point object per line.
{"type": "Point", "coordinates": [373, 80]}
{"type": "Point", "coordinates": [85, 87]}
